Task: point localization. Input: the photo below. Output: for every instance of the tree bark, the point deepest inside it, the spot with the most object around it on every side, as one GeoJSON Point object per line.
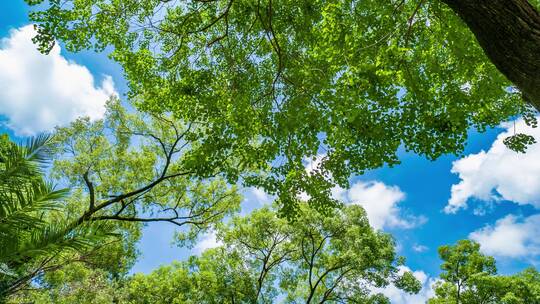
{"type": "Point", "coordinates": [509, 33]}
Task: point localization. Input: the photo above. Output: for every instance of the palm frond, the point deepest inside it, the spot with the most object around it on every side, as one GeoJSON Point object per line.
{"type": "Point", "coordinates": [20, 163]}
{"type": "Point", "coordinates": [33, 227]}
{"type": "Point", "coordinates": [37, 148]}
{"type": "Point", "coordinates": [38, 195]}
{"type": "Point", "coordinates": [56, 238]}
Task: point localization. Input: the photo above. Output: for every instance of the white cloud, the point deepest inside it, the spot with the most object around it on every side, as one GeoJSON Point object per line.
{"type": "Point", "coordinates": [39, 92]}
{"type": "Point", "coordinates": [260, 196]}
{"type": "Point", "coordinates": [419, 248]}
{"type": "Point", "coordinates": [511, 236]}
{"type": "Point", "coordinates": [255, 198]}
{"type": "Point", "coordinates": [207, 241]}
{"type": "Point", "coordinates": [398, 296]}
{"type": "Point", "coordinates": [381, 204]}
{"type": "Point", "coordinates": [378, 199]}
{"type": "Point", "coordinates": [499, 173]}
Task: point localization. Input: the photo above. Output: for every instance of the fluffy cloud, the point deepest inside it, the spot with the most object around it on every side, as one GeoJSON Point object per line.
{"type": "Point", "coordinates": [499, 173]}
{"type": "Point", "coordinates": [511, 236]}
{"type": "Point", "coordinates": [207, 241]}
{"type": "Point", "coordinates": [381, 204]}
{"type": "Point", "coordinates": [38, 92]}
{"type": "Point", "coordinates": [260, 196]}
{"type": "Point", "coordinates": [378, 199]}
{"type": "Point", "coordinates": [398, 296]}
{"type": "Point", "coordinates": [255, 198]}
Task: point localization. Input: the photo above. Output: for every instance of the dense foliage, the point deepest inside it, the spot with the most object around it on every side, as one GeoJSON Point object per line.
{"type": "Point", "coordinates": [35, 235]}
{"type": "Point", "coordinates": [469, 277]}
{"type": "Point", "coordinates": [262, 258]}
{"type": "Point", "coordinates": [123, 171]}
{"type": "Point", "coordinates": [228, 91]}
{"type": "Point", "coordinates": [277, 82]}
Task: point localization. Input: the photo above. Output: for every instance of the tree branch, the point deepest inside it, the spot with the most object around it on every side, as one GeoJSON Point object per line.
{"type": "Point", "coordinates": [90, 187]}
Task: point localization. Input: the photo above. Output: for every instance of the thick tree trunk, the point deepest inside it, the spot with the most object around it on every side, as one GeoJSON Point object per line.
{"type": "Point", "coordinates": [509, 33]}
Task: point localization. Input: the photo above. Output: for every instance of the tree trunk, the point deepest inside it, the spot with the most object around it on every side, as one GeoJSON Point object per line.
{"type": "Point", "coordinates": [509, 33]}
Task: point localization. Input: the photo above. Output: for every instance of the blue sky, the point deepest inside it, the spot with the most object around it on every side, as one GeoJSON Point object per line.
{"type": "Point", "coordinates": [500, 188]}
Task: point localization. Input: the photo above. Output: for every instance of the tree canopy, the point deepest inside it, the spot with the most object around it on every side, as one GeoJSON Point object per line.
{"type": "Point", "coordinates": [278, 82]}
{"type": "Point", "coordinates": [34, 232]}
{"type": "Point", "coordinates": [134, 168]}
{"type": "Point", "coordinates": [292, 97]}
{"type": "Point", "coordinates": [262, 258]}
{"type": "Point", "coordinates": [122, 171]}
{"type": "Point", "coordinates": [233, 272]}
{"type": "Point", "coordinates": [470, 277]}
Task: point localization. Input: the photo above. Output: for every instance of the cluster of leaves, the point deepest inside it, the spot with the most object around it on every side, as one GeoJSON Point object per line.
{"type": "Point", "coordinates": [469, 277]}
{"type": "Point", "coordinates": [34, 232]}
{"type": "Point", "coordinates": [78, 283]}
{"type": "Point", "coordinates": [122, 171]}
{"type": "Point", "coordinates": [320, 259]}
{"type": "Point", "coordinates": [279, 81]}
{"type": "Point", "coordinates": [133, 168]}
{"type": "Point", "coordinates": [287, 264]}
{"type": "Point", "coordinates": [248, 90]}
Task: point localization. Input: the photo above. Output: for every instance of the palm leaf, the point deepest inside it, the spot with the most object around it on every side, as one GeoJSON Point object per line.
{"type": "Point", "coordinates": [32, 226]}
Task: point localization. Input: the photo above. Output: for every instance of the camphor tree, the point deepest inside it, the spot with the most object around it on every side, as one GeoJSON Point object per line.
{"type": "Point", "coordinates": [262, 258]}
{"type": "Point", "coordinates": [76, 282]}
{"type": "Point", "coordinates": [231, 273]}
{"type": "Point", "coordinates": [123, 171]}
{"type": "Point", "coordinates": [320, 259]}
{"type": "Point", "coordinates": [137, 168]}
{"type": "Point", "coordinates": [277, 82]}
{"type": "Point", "coordinates": [471, 277]}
